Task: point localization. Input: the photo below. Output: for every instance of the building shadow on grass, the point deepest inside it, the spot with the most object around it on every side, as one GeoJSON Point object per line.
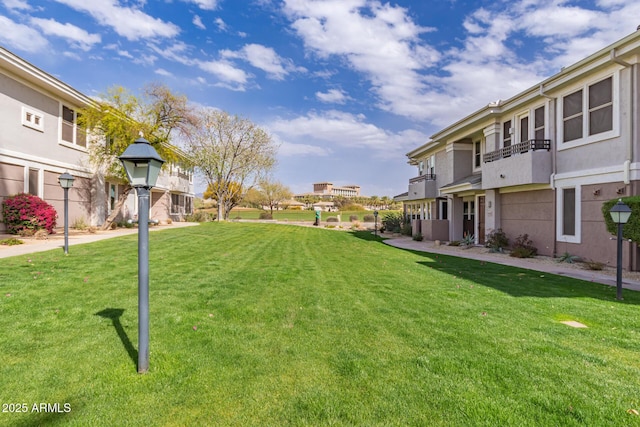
{"type": "Point", "coordinates": [514, 281]}
{"type": "Point", "coordinates": [521, 282]}
{"type": "Point", "coordinates": [114, 315]}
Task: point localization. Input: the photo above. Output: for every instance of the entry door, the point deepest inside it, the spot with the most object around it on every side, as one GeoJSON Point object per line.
{"type": "Point", "coordinates": [468, 223]}
{"type": "Point", "coordinates": [481, 228]}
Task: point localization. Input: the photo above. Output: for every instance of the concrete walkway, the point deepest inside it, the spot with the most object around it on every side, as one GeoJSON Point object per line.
{"type": "Point", "coordinates": [542, 264]}
{"type": "Point", "coordinates": [56, 241]}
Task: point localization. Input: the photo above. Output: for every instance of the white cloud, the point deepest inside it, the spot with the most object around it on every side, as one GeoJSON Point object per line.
{"type": "Point", "coordinates": [234, 78]}
{"type": "Point", "coordinates": [220, 24]}
{"type": "Point", "coordinates": [204, 4]}
{"type": "Point", "coordinates": [21, 37]}
{"type": "Point", "coordinates": [335, 96]}
{"type": "Point", "coordinates": [263, 58]}
{"type": "Point", "coordinates": [16, 4]}
{"type": "Point", "coordinates": [197, 21]}
{"type": "Point", "coordinates": [128, 22]}
{"type": "Point", "coordinates": [77, 36]}
{"type": "Point", "coordinates": [337, 130]}
{"type": "Point", "coordinates": [289, 149]}
{"type": "Point", "coordinates": [163, 72]}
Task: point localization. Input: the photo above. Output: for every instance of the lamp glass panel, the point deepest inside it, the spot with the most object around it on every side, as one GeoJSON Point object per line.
{"type": "Point", "coordinates": [154, 170]}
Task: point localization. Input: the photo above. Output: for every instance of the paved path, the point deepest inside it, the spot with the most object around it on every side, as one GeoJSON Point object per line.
{"type": "Point", "coordinates": [56, 241]}
{"type": "Point", "coordinates": [544, 265]}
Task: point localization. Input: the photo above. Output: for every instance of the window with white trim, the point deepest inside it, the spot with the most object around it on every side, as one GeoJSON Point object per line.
{"type": "Point", "coordinates": [538, 123]}
{"type": "Point", "coordinates": [569, 212]}
{"type": "Point", "coordinates": [588, 114]}
{"type": "Point", "coordinates": [477, 155]}
{"type": "Point", "coordinates": [506, 134]}
{"type": "Point", "coordinates": [33, 119]}
{"type": "Point", "coordinates": [72, 133]}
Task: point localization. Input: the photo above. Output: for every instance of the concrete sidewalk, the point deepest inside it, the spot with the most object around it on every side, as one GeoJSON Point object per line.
{"type": "Point", "coordinates": [542, 264]}
{"type": "Point", "coordinates": [56, 241]}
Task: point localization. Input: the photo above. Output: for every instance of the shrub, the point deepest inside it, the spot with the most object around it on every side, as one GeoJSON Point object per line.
{"type": "Point", "coordinates": [369, 218]}
{"type": "Point", "coordinates": [418, 237]}
{"type": "Point", "coordinates": [568, 258]}
{"type": "Point", "coordinates": [332, 219]}
{"type": "Point", "coordinates": [406, 230]}
{"type": "Point", "coordinates": [523, 247]}
{"type": "Point", "coordinates": [594, 265]}
{"type": "Point", "coordinates": [352, 207]}
{"type": "Point", "coordinates": [454, 243]}
{"type": "Point", "coordinates": [28, 212]}
{"type": "Point", "coordinates": [11, 241]}
{"type": "Point", "coordinates": [393, 222]}
{"type": "Point", "coordinates": [353, 218]}
{"type": "Point", "coordinates": [79, 223]}
{"type": "Point", "coordinates": [41, 234]}
{"type": "Point", "coordinates": [200, 216]}
{"type": "Point", "coordinates": [497, 240]}
{"type": "Point", "coordinates": [631, 230]}
{"type": "Point", "coordinates": [265, 215]}
{"type": "Point", "coordinates": [469, 239]}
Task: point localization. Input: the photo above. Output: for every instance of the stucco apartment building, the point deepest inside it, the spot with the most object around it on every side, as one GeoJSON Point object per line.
{"type": "Point", "coordinates": [540, 163]}
{"type": "Point", "coordinates": [40, 139]}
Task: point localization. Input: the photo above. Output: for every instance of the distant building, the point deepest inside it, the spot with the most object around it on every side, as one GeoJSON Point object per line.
{"type": "Point", "coordinates": [326, 190]}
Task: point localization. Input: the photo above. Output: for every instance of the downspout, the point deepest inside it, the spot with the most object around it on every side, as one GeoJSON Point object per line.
{"type": "Point", "coordinates": [552, 178]}
{"type": "Point", "coordinates": [626, 168]}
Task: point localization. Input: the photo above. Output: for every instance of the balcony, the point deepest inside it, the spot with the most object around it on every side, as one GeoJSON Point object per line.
{"type": "Point", "coordinates": [528, 162]}
{"type": "Point", "coordinates": [423, 187]}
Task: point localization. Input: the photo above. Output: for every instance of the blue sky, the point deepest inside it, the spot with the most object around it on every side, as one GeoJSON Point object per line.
{"type": "Point", "coordinates": [345, 87]}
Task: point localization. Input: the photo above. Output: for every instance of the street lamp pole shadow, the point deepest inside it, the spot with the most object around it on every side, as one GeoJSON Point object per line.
{"type": "Point", "coordinates": [114, 314]}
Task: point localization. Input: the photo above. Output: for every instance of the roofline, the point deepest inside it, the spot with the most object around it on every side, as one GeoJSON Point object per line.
{"type": "Point", "coordinates": [604, 56]}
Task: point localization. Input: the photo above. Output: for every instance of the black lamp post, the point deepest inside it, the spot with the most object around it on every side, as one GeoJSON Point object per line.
{"type": "Point", "coordinates": [620, 214]}
{"type": "Point", "coordinates": [375, 224]}
{"type": "Point", "coordinates": [66, 182]}
{"type": "Point", "coordinates": [142, 164]}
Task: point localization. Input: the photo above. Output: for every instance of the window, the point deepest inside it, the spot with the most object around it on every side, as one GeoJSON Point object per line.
{"type": "Point", "coordinates": [568, 214]}
{"type": "Point", "coordinates": [477, 155]}
{"type": "Point", "coordinates": [600, 107]}
{"type": "Point", "coordinates": [34, 182]}
{"type": "Point", "coordinates": [71, 132]}
{"type": "Point", "coordinates": [569, 211]}
{"type": "Point", "coordinates": [589, 111]}
{"type": "Point", "coordinates": [175, 203]}
{"type": "Point", "coordinates": [33, 119]}
{"type": "Point", "coordinates": [506, 134]}
{"type": "Point", "coordinates": [188, 203]}
{"type": "Point", "coordinates": [524, 129]}
{"type": "Point", "coordinates": [431, 166]}
{"type": "Point", "coordinates": [538, 123]}
{"type": "Point", "coordinates": [113, 197]}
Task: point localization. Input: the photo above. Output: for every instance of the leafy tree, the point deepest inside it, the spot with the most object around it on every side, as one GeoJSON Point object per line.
{"type": "Point", "coordinates": [119, 117]}
{"type": "Point", "coordinates": [230, 150]}
{"type": "Point", "coordinates": [631, 230]}
{"type": "Point", "coordinates": [273, 193]}
{"type": "Point", "coordinates": [234, 196]}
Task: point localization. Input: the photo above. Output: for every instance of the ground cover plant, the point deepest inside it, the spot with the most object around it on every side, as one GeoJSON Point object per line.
{"type": "Point", "coordinates": [266, 324]}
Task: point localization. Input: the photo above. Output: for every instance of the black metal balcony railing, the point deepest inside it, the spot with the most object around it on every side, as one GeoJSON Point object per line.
{"type": "Point", "coordinates": [425, 177]}
{"type": "Point", "coordinates": [522, 147]}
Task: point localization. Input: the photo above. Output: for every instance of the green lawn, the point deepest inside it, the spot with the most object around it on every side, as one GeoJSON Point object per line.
{"type": "Point", "coordinates": [299, 215]}
{"type": "Point", "coordinates": [274, 325]}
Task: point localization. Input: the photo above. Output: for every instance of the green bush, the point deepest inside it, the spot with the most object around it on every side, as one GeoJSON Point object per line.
{"type": "Point", "coordinates": [393, 222]}
{"type": "Point", "coordinates": [406, 229]}
{"type": "Point", "coordinates": [497, 240]}
{"type": "Point", "coordinates": [352, 207]}
{"type": "Point", "coordinates": [369, 218]}
{"type": "Point", "coordinates": [200, 216]}
{"type": "Point", "coordinates": [265, 215]}
{"type": "Point", "coordinates": [26, 212]}
{"type": "Point", "coordinates": [332, 219]}
{"type": "Point", "coordinates": [631, 230]}
{"type": "Point", "coordinates": [353, 218]}
{"type": "Point", "coordinates": [418, 237]}
{"type": "Point", "coordinates": [523, 247]}
{"type": "Point", "coordinates": [11, 241]}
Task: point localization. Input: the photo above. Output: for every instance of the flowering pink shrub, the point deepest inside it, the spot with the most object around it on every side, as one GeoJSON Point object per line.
{"type": "Point", "coordinates": [28, 212]}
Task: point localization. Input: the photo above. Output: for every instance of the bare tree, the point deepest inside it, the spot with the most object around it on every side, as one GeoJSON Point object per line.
{"type": "Point", "coordinates": [232, 153]}
{"type": "Point", "coordinates": [273, 193]}
{"type": "Point", "coordinates": [119, 117]}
